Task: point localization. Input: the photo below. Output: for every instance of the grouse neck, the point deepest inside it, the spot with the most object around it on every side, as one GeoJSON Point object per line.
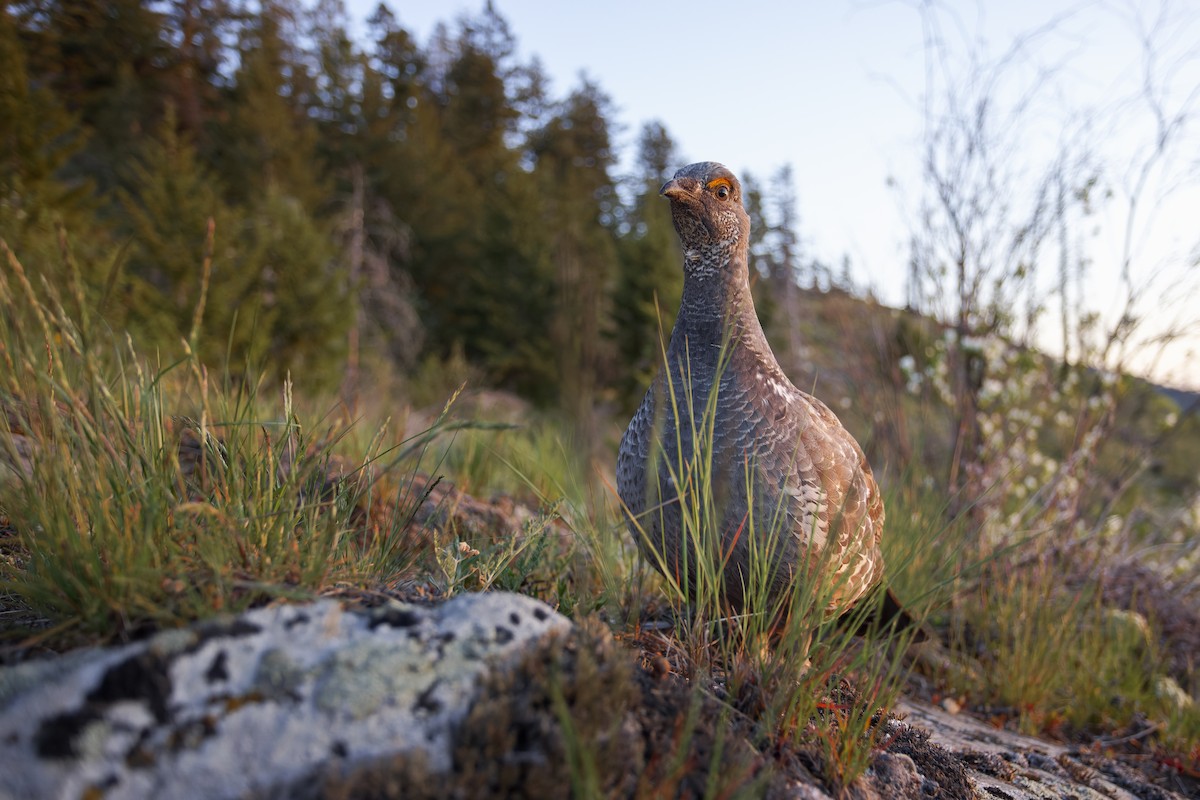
{"type": "Point", "coordinates": [716, 301]}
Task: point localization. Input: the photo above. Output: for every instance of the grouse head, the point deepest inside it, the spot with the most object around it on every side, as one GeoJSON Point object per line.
{"type": "Point", "coordinates": [706, 206]}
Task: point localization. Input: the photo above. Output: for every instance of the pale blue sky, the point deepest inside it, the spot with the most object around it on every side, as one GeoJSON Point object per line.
{"type": "Point", "coordinates": [833, 88]}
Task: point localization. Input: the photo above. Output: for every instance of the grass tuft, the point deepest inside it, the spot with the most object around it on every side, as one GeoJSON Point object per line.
{"type": "Point", "coordinates": [127, 515]}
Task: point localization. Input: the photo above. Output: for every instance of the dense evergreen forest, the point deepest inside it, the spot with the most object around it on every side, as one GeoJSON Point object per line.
{"type": "Point", "coordinates": [359, 205]}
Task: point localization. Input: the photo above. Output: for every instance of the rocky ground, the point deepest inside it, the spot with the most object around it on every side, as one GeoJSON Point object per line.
{"type": "Point", "coordinates": [490, 695]}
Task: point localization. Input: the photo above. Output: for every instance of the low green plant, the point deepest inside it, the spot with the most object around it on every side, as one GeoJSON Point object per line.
{"type": "Point", "coordinates": [1054, 659]}
{"type": "Point", "coordinates": [1022, 631]}
{"type": "Point", "coordinates": [505, 562]}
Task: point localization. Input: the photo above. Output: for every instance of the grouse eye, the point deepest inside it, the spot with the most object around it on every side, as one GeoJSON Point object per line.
{"type": "Point", "coordinates": [723, 192]}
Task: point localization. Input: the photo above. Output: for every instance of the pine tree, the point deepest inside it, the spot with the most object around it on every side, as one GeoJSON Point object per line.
{"type": "Point", "coordinates": [196, 31]}
{"type": "Point", "coordinates": [401, 64]}
{"type": "Point", "coordinates": [650, 279]}
{"type": "Point", "coordinates": [510, 291]}
{"type": "Point", "coordinates": [168, 203]}
{"type": "Point", "coordinates": [573, 156]}
{"type": "Point", "coordinates": [301, 300]}
{"type": "Point", "coordinates": [274, 300]}
{"type": "Point", "coordinates": [761, 253]}
{"type": "Point", "coordinates": [104, 60]}
{"type": "Point", "coordinates": [357, 123]}
{"type": "Point", "coordinates": [480, 257]}
{"type": "Point", "coordinates": [336, 103]}
{"type": "Point", "coordinates": [436, 198]}
{"type": "Point", "coordinates": [511, 296]}
{"type": "Point", "coordinates": [266, 142]}
{"type": "Point", "coordinates": [785, 262]}
{"type": "Point", "coordinates": [37, 138]}
{"type": "Point", "coordinates": [476, 108]}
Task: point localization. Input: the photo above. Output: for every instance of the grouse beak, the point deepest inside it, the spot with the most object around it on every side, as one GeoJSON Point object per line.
{"type": "Point", "coordinates": [678, 188]}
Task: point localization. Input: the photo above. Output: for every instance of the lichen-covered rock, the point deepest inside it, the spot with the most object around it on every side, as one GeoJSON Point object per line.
{"type": "Point", "coordinates": [250, 705]}
{"type": "Point", "coordinates": [1004, 764]}
{"type": "Point", "coordinates": [569, 710]}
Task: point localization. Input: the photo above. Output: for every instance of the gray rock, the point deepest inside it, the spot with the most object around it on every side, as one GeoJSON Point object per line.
{"type": "Point", "coordinates": [1005, 764]}
{"type": "Point", "coordinates": [898, 774]}
{"type": "Point", "coordinates": [253, 704]}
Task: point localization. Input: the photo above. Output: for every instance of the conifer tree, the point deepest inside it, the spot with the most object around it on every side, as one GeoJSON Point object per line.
{"type": "Point", "coordinates": [762, 255]}
{"type": "Point", "coordinates": [650, 278]}
{"type": "Point", "coordinates": [510, 297]}
{"type": "Point", "coordinates": [37, 138]}
{"type": "Point", "coordinates": [266, 140]}
{"type": "Point", "coordinates": [358, 123]}
{"type": "Point", "coordinates": [480, 257]}
{"type": "Point", "coordinates": [510, 291]}
{"type": "Point", "coordinates": [476, 110]}
{"type": "Point", "coordinates": [196, 31]}
{"type": "Point", "coordinates": [435, 196]}
{"type": "Point", "coordinates": [300, 297]}
{"type": "Point", "coordinates": [168, 204]}
{"type": "Point", "coordinates": [785, 261]}
{"type": "Point", "coordinates": [104, 61]}
{"type": "Point", "coordinates": [274, 301]}
{"type": "Point", "coordinates": [574, 155]}
{"type": "Point", "coordinates": [400, 63]}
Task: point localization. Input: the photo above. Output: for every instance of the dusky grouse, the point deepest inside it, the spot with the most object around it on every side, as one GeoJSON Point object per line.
{"type": "Point", "coordinates": [781, 466]}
